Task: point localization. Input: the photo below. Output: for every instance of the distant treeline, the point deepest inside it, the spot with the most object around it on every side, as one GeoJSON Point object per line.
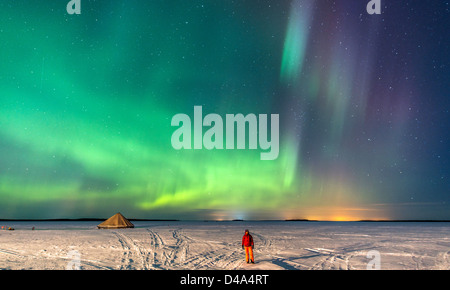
{"type": "Point", "coordinates": [234, 220]}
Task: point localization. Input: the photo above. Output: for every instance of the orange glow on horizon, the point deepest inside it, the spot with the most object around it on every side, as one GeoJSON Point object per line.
{"type": "Point", "coordinates": [337, 214]}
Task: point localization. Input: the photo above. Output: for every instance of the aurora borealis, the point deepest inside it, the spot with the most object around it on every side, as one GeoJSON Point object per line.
{"type": "Point", "coordinates": [86, 103]}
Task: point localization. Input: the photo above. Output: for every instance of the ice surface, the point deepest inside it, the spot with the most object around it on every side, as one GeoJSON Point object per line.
{"type": "Point", "coordinates": [217, 245]}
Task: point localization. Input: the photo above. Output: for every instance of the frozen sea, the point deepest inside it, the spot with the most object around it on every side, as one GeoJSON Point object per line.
{"type": "Point", "coordinates": [279, 245]}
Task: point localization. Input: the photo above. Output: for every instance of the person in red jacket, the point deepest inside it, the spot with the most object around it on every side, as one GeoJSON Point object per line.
{"type": "Point", "coordinates": [248, 245]}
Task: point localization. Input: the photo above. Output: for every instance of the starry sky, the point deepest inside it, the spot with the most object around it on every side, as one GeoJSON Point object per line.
{"type": "Point", "coordinates": [86, 103]}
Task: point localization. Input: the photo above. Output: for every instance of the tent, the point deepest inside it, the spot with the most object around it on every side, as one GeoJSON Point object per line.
{"type": "Point", "coordinates": [117, 221]}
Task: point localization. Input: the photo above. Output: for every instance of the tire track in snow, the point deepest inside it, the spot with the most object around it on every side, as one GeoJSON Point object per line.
{"type": "Point", "coordinates": [126, 261]}
{"type": "Point", "coordinates": [329, 260]}
{"type": "Point", "coordinates": [190, 253]}
{"type": "Point", "coordinates": [11, 252]}
{"type": "Point", "coordinates": [157, 248]}
{"type": "Point", "coordinates": [165, 256]}
{"type": "Point", "coordinates": [132, 249]}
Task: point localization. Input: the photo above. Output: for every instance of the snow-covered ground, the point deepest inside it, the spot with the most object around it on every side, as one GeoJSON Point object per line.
{"type": "Point", "coordinates": [217, 245]}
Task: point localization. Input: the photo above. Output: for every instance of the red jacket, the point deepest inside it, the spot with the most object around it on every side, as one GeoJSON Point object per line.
{"type": "Point", "coordinates": [247, 240]}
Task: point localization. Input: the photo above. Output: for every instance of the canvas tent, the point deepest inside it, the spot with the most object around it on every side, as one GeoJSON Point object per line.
{"type": "Point", "coordinates": [117, 221]}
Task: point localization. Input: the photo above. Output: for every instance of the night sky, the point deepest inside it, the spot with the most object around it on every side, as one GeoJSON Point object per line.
{"type": "Point", "coordinates": [86, 103]}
